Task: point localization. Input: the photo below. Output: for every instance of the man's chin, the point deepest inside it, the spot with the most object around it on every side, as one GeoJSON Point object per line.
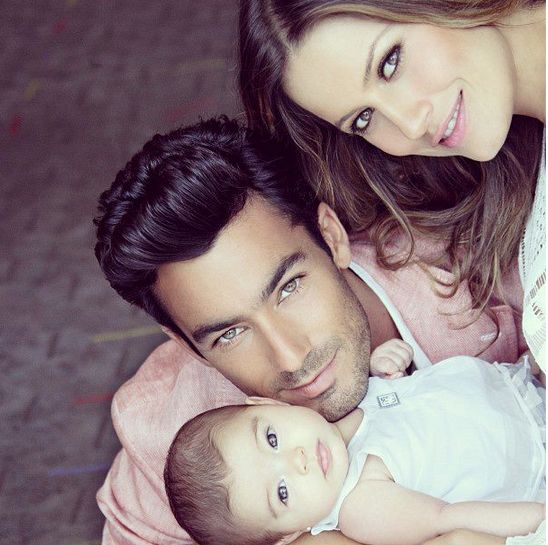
{"type": "Point", "coordinates": [336, 408]}
{"type": "Point", "coordinates": [339, 405]}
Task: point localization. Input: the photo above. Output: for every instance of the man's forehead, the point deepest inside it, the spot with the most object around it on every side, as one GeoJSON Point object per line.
{"type": "Point", "coordinates": [227, 291]}
{"type": "Point", "coordinates": [237, 266]}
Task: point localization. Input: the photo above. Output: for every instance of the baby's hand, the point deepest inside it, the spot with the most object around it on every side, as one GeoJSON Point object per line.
{"type": "Point", "coordinates": [390, 359]}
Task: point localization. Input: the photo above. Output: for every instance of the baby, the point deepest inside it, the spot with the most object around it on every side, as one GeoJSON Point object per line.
{"type": "Point", "coordinates": [455, 445]}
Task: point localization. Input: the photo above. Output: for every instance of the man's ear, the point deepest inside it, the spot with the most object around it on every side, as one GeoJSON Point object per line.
{"type": "Point", "coordinates": [174, 337]}
{"type": "Point", "coordinates": [257, 400]}
{"type": "Point", "coordinates": [335, 235]}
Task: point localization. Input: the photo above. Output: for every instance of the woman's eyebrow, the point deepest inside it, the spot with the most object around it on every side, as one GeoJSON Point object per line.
{"type": "Point", "coordinates": [369, 64]}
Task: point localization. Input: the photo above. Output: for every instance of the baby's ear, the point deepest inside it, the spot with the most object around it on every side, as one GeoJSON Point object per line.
{"type": "Point", "coordinates": [258, 400]}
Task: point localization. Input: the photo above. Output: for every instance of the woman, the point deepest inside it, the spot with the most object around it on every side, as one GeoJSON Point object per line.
{"type": "Point", "coordinates": [421, 116]}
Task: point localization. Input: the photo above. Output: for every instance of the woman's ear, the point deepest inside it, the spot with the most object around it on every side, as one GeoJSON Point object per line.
{"type": "Point", "coordinates": [258, 400]}
{"type": "Point", "coordinates": [335, 235]}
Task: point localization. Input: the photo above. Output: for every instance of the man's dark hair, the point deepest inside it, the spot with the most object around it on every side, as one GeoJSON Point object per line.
{"type": "Point", "coordinates": [174, 197]}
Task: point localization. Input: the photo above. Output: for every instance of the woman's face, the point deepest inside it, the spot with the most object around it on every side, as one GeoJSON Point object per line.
{"type": "Point", "coordinates": [408, 89]}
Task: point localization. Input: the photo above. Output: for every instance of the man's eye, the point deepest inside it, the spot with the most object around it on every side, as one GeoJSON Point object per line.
{"type": "Point", "coordinates": [283, 494]}
{"type": "Point", "coordinates": [230, 335]}
{"type": "Point", "coordinates": [390, 63]}
{"type": "Point", "coordinates": [362, 121]}
{"type": "Point", "coordinates": [272, 438]}
{"type": "Point", "coordinates": [289, 288]}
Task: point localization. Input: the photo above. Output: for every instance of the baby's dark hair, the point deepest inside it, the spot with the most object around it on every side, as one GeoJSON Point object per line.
{"type": "Point", "coordinates": [195, 477]}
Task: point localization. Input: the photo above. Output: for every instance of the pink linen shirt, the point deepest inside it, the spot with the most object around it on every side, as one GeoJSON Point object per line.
{"type": "Point", "coordinates": [173, 385]}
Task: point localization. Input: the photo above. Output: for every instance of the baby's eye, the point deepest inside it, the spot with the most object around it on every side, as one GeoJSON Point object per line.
{"type": "Point", "coordinates": [271, 437]}
{"type": "Point", "coordinates": [283, 494]}
{"type": "Point", "coordinates": [362, 121]}
{"type": "Point", "coordinates": [390, 64]}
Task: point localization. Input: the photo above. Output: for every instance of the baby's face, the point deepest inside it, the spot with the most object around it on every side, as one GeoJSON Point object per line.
{"type": "Point", "coordinates": [287, 465]}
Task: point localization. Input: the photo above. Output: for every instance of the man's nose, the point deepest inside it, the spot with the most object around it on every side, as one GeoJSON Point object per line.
{"type": "Point", "coordinates": [288, 347]}
{"type": "Point", "coordinates": [410, 115]}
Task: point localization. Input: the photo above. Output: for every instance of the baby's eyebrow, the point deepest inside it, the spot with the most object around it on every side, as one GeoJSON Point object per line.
{"type": "Point", "coordinates": [270, 508]}
{"type": "Point", "coordinates": [255, 431]}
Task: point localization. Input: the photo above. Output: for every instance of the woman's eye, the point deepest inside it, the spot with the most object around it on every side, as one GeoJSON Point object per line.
{"type": "Point", "coordinates": [230, 335]}
{"type": "Point", "coordinates": [289, 288]}
{"type": "Point", "coordinates": [272, 438]}
{"type": "Point", "coordinates": [390, 63]}
{"type": "Point", "coordinates": [362, 121]}
{"type": "Point", "coordinates": [282, 492]}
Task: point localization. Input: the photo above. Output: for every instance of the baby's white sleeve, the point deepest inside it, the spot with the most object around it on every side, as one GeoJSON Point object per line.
{"type": "Point", "coordinates": [535, 538]}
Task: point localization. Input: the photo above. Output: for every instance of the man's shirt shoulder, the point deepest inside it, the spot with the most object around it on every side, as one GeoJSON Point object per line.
{"type": "Point", "coordinates": [171, 387]}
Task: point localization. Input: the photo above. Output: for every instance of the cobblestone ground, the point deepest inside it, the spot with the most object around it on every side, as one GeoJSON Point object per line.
{"type": "Point", "coordinates": [84, 85]}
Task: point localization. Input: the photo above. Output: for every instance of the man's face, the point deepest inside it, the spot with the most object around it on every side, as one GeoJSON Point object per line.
{"type": "Point", "coordinates": [270, 310]}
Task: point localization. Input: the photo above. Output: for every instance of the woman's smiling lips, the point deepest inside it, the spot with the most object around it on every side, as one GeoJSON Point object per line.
{"type": "Point", "coordinates": [451, 132]}
{"type": "Point", "coordinates": [319, 384]}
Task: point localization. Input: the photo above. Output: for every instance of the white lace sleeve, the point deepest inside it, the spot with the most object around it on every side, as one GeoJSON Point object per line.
{"type": "Point", "coordinates": [532, 268]}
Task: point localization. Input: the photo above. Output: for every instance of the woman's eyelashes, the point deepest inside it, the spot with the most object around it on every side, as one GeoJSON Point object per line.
{"type": "Point", "coordinates": [362, 121]}
{"type": "Point", "coordinates": [390, 64]}
{"type": "Point", "coordinates": [386, 70]}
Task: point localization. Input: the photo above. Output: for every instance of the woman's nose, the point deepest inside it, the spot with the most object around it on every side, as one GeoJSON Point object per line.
{"type": "Point", "coordinates": [410, 116]}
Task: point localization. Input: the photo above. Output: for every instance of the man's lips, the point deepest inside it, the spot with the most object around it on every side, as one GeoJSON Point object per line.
{"type": "Point", "coordinates": [323, 455]}
{"type": "Point", "coordinates": [319, 384]}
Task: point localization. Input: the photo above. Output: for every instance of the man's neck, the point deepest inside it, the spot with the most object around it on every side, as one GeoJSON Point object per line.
{"type": "Point", "coordinates": [381, 324]}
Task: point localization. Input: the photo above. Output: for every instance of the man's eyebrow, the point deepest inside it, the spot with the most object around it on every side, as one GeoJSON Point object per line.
{"type": "Point", "coordinates": [339, 124]}
{"type": "Point", "coordinates": [203, 331]}
{"type": "Point", "coordinates": [200, 333]}
{"type": "Point", "coordinates": [278, 274]}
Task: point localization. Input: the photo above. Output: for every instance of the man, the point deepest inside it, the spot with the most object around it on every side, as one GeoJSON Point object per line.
{"type": "Point", "coordinates": [212, 233]}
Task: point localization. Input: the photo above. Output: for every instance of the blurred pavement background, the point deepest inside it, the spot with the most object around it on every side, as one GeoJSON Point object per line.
{"type": "Point", "coordinates": [84, 85]}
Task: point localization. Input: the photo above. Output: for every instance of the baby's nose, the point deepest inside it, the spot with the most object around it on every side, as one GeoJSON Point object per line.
{"type": "Point", "coordinates": [300, 461]}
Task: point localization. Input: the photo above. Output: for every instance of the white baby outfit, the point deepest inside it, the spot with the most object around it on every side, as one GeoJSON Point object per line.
{"type": "Point", "coordinates": [460, 430]}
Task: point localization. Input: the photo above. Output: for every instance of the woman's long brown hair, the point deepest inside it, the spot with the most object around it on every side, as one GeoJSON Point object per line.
{"type": "Point", "coordinates": [478, 209]}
